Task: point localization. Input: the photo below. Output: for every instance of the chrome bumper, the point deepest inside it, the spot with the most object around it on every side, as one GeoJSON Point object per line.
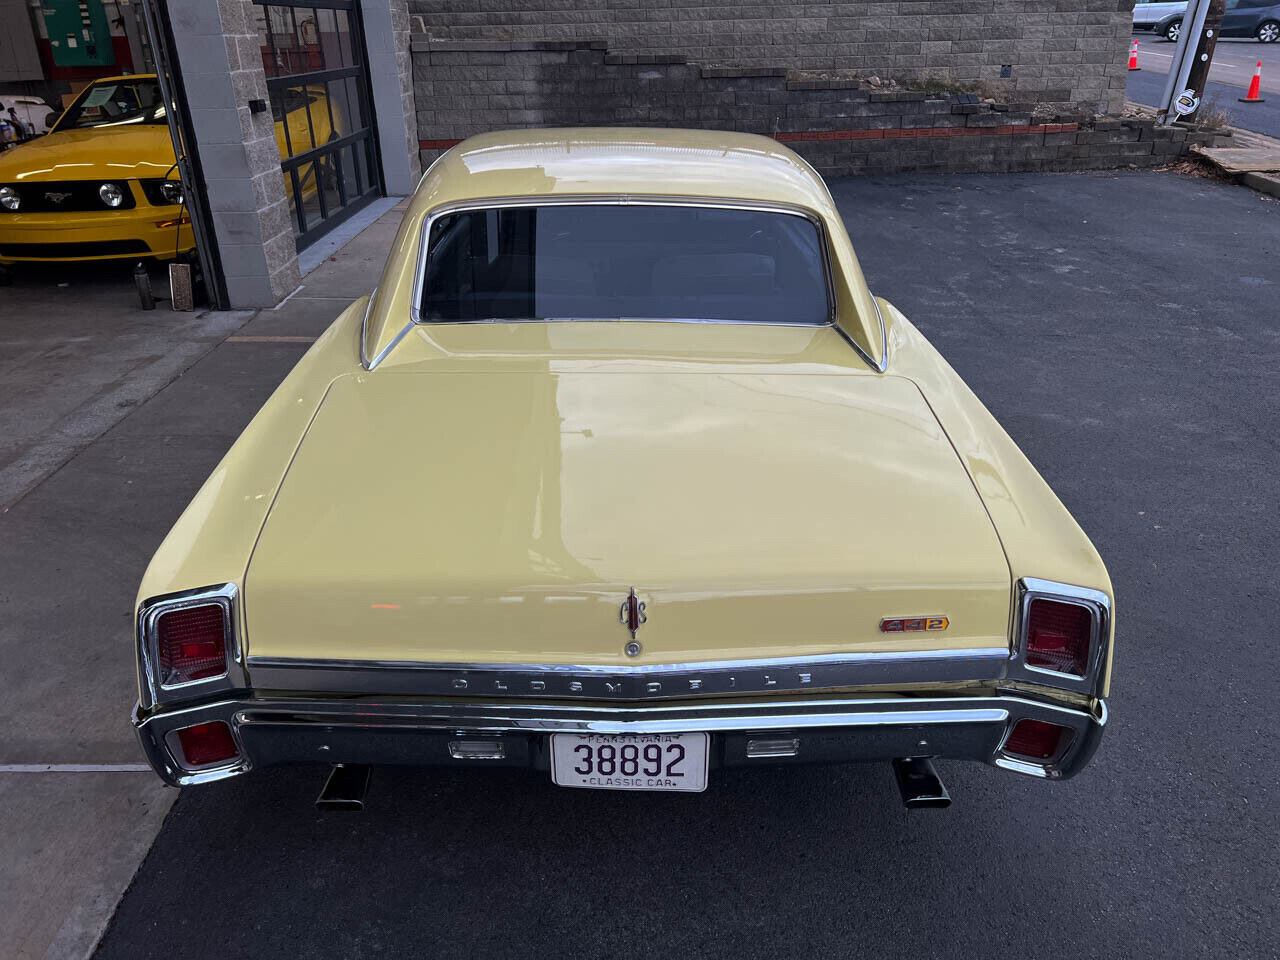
{"type": "Point", "coordinates": [376, 731]}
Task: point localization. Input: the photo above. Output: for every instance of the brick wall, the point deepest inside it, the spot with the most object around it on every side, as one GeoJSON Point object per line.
{"type": "Point", "coordinates": [1068, 52]}
{"type": "Point", "coordinates": [841, 126]}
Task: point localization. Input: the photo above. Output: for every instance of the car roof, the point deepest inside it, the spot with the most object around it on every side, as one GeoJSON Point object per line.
{"type": "Point", "coordinates": [623, 161]}
{"type": "Point", "coordinates": [126, 76]}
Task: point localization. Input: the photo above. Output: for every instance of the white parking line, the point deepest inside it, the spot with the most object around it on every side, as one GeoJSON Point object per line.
{"type": "Point", "coordinates": [74, 768]}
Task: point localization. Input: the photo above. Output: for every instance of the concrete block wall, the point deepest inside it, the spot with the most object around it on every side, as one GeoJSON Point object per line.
{"type": "Point", "coordinates": [1067, 52]}
{"type": "Point", "coordinates": [217, 46]}
{"type": "Point", "coordinates": [841, 126]}
{"type": "Point", "coordinates": [386, 34]}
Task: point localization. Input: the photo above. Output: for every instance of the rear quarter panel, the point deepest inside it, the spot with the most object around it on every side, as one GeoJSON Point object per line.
{"type": "Point", "coordinates": [1039, 536]}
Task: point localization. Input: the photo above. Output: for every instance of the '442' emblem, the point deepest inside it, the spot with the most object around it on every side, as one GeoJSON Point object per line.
{"type": "Point", "coordinates": [632, 613]}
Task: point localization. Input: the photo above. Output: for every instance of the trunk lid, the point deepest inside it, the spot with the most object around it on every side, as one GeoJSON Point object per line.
{"type": "Point", "coordinates": [479, 517]}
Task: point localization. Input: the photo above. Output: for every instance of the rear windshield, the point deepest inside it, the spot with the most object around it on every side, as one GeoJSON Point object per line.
{"type": "Point", "coordinates": [627, 262]}
{"type": "Point", "coordinates": [115, 102]}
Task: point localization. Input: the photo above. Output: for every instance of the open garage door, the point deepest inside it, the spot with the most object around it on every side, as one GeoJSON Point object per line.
{"type": "Point", "coordinates": [314, 59]}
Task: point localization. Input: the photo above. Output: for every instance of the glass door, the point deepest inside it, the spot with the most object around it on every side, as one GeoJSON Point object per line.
{"type": "Point", "coordinates": [313, 56]}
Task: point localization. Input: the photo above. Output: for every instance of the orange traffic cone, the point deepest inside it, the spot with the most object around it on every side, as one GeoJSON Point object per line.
{"type": "Point", "coordinates": [1255, 86]}
{"type": "Point", "coordinates": [1133, 57]}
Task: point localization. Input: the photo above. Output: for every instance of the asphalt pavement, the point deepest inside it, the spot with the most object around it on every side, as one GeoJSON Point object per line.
{"type": "Point", "coordinates": [1123, 328]}
{"type": "Point", "coordinates": [1233, 65]}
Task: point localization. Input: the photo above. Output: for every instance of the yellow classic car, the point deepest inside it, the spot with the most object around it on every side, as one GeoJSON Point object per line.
{"type": "Point", "coordinates": [103, 184]}
{"type": "Point", "coordinates": [622, 474]}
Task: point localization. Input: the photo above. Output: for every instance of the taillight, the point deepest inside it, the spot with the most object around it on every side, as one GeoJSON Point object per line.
{"type": "Point", "coordinates": [1036, 739]}
{"type": "Point", "coordinates": [191, 644]}
{"type": "Point", "coordinates": [207, 743]}
{"type": "Point", "coordinates": [1058, 636]}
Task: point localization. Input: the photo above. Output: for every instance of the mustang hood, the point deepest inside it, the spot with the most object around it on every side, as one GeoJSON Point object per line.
{"type": "Point", "coordinates": [110, 153]}
{"type": "Point", "coordinates": [504, 516]}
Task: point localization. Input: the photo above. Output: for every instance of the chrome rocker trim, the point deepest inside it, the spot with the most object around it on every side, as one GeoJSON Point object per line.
{"type": "Point", "coordinates": [630, 682]}
{"type": "Point", "coordinates": [281, 729]}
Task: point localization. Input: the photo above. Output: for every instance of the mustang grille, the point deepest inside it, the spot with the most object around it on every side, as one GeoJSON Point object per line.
{"type": "Point", "coordinates": [93, 248]}
{"type": "Point", "coordinates": [66, 196]}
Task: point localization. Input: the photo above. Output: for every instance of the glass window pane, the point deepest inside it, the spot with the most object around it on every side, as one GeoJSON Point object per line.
{"type": "Point", "coordinates": [628, 262]}
{"type": "Point", "coordinates": [343, 24]}
{"type": "Point", "coordinates": [322, 125]}
{"type": "Point", "coordinates": [308, 39]}
{"type": "Point", "coordinates": [293, 127]}
{"type": "Point", "coordinates": [309, 190]}
{"type": "Point", "coordinates": [345, 116]}
{"type": "Point", "coordinates": [364, 159]}
{"type": "Point", "coordinates": [329, 39]}
{"type": "Point", "coordinates": [354, 186]}
{"type": "Point", "coordinates": [278, 112]}
{"type": "Point", "coordinates": [280, 28]}
{"type": "Point", "coordinates": [358, 118]}
{"type": "Point", "coordinates": [292, 196]}
{"type": "Point", "coordinates": [328, 172]}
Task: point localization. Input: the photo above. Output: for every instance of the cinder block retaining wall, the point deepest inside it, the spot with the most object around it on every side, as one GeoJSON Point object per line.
{"type": "Point", "coordinates": [842, 127]}
{"type": "Point", "coordinates": [1069, 52]}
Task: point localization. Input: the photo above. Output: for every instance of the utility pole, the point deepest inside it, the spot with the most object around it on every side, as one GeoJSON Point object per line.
{"type": "Point", "coordinates": [1189, 72]}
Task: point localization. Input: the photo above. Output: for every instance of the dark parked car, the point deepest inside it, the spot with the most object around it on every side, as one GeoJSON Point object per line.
{"type": "Point", "coordinates": [1252, 18]}
{"type": "Point", "coordinates": [1259, 19]}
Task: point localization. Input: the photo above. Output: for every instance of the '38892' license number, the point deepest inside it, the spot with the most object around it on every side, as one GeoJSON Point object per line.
{"type": "Point", "coordinates": [625, 761]}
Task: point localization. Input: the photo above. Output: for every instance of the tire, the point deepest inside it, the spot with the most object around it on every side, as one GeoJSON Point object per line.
{"type": "Point", "coordinates": [1268, 32]}
{"type": "Point", "coordinates": [1173, 30]}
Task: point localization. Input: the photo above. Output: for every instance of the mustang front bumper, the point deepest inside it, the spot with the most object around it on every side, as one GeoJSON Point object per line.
{"type": "Point", "coordinates": [143, 231]}
{"type": "Point", "coordinates": [272, 730]}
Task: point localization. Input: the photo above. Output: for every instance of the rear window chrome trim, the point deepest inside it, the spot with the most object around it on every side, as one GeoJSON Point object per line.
{"type": "Point", "coordinates": [618, 200]}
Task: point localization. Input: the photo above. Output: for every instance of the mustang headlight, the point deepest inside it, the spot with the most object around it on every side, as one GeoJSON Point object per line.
{"type": "Point", "coordinates": [162, 193]}
{"type": "Point", "coordinates": [9, 198]}
{"type": "Point", "coordinates": [111, 194]}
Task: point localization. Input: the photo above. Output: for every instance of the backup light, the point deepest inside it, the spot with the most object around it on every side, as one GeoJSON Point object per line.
{"type": "Point", "coordinates": [477, 749]}
{"type": "Point", "coordinates": [1036, 739]}
{"type": "Point", "coordinates": [778, 747]}
{"type": "Point", "coordinates": [207, 743]}
{"type": "Point", "coordinates": [1058, 636]}
{"type": "Point", "coordinates": [191, 644]}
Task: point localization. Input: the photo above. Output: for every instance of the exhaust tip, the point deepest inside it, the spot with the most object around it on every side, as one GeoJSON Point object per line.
{"type": "Point", "coordinates": [345, 788]}
{"type": "Point", "coordinates": [919, 784]}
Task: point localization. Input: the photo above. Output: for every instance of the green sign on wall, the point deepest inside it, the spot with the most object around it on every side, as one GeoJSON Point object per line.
{"type": "Point", "coordinates": [78, 33]}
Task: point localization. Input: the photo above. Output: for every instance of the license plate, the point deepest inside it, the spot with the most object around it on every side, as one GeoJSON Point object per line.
{"type": "Point", "coordinates": [625, 761]}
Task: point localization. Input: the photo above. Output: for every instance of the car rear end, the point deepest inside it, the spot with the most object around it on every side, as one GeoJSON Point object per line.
{"type": "Point", "coordinates": [540, 526]}
{"type": "Point", "coordinates": [1032, 709]}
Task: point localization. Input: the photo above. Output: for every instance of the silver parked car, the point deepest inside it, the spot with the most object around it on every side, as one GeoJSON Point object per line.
{"type": "Point", "coordinates": [1160, 17]}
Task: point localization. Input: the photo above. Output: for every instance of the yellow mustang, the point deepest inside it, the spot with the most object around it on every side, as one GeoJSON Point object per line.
{"type": "Point", "coordinates": [103, 183]}
{"type": "Point", "coordinates": [623, 474]}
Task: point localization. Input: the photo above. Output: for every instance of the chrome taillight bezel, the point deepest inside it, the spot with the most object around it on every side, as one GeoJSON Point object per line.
{"type": "Point", "coordinates": [151, 690]}
{"type": "Point", "coordinates": [1099, 606]}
